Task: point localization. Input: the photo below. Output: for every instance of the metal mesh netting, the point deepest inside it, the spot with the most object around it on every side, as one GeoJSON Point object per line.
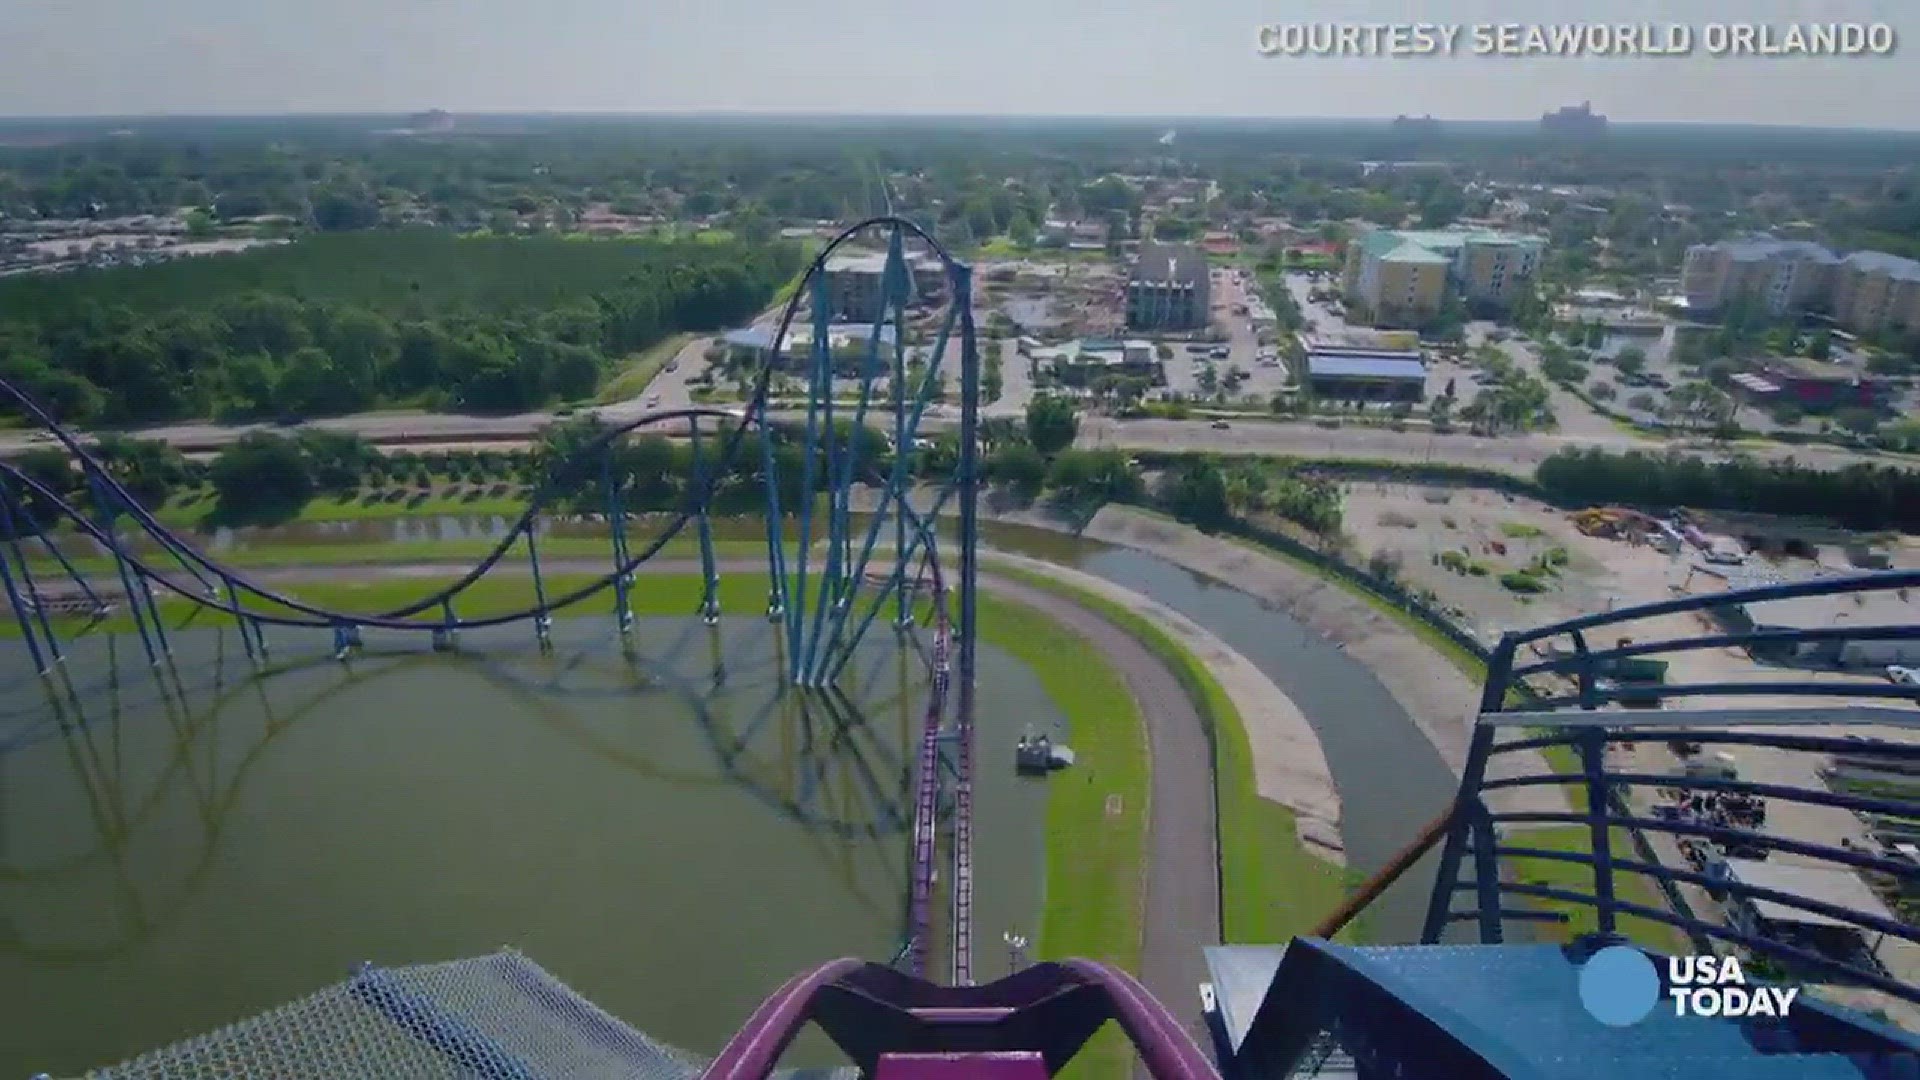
{"type": "Point", "coordinates": [491, 1016]}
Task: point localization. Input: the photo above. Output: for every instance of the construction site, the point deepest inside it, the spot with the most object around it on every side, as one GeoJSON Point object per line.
{"type": "Point", "coordinates": [1053, 301]}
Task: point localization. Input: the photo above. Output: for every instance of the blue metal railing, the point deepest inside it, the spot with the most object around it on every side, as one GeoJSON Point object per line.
{"type": "Point", "coordinates": [1780, 719]}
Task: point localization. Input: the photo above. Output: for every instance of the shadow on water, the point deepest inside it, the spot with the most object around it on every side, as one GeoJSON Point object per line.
{"type": "Point", "coordinates": [249, 833]}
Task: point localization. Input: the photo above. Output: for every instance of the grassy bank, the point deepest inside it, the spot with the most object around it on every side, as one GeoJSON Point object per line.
{"type": "Point", "coordinates": [1271, 887]}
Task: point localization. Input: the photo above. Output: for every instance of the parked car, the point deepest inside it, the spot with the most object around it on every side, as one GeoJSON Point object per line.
{"type": "Point", "coordinates": [1901, 675]}
{"type": "Point", "coordinates": [1221, 425]}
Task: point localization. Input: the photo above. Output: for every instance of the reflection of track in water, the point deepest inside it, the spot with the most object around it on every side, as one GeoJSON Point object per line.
{"type": "Point", "coordinates": [780, 742]}
{"type": "Point", "coordinates": [206, 761]}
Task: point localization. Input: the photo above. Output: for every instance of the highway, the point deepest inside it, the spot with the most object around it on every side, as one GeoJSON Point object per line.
{"type": "Point", "coordinates": [1512, 453]}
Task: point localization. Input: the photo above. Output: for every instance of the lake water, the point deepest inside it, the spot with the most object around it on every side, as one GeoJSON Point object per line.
{"type": "Point", "coordinates": [671, 833]}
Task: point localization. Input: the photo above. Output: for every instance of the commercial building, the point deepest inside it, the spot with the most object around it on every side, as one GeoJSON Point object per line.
{"type": "Point", "coordinates": [1812, 385]}
{"type": "Point", "coordinates": [1866, 292]}
{"type": "Point", "coordinates": [1169, 289]}
{"type": "Point", "coordinates": [849, 343]}
{"type": "Point", "coordinates": [856, 283]}
{"type": "Point", "coordinates": [1350, 374]}
{"type": "Point", "coordinates": [1080, 363]}
{"type": "Point", "coordinates": [1401, 278]}
{"type": "Point", "coordinates": [1865, 610]}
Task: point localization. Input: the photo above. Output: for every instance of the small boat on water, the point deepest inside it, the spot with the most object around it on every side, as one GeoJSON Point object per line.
{"type": "Point", "coordinates": [1040, 754]}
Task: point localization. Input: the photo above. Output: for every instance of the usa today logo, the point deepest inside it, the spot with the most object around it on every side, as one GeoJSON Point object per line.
{"type": "Point", "coordinates": [1619, 986]}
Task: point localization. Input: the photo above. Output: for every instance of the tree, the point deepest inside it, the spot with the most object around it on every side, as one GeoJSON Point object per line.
{"type": "Point", "coordinates": [1601, 390]}
{"type": "Point", "coordinates": [1197, 492]}
{"type": "Point", "coordinates": [1052, 423]}
{"type": "Point", "coordinates": [262, 473]}
{"type": "Point", "coordinates": [149, 469]}
{"type": "Point", "coordinates": [1631, 361]}
{"type": "Point", "coordinates": [1020, 467]}
{"type": "Point", "coordinates": [1859, 421]}
{"type": "Point", "coordinates": [1700, 405]}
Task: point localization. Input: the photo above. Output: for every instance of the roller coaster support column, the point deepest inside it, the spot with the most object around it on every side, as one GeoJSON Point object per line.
{"type": "Point", "coordinates": [346, 638]}
{"type": "Point", "coordinates": [32, 594]}
{"type": "Point", "coordinates": [127, 574]}
{"type": "Point", "coordinates": [617, 524]}
{"type": "Point", "coordinates": [20, 606]}
{"type": "Point", "coordinates": [830, 571]}
{"type": "Point", "coordinates": [446, 636]}
{"type": "Point", "coordinates": [820, 361]}
{"type": "Point", "coordinates": [903, 604]}
{"type": "Point", "coordinates": [542, 619]}
{"type": "Point", "coordinates": [33, 528]}
{"type": "Point", "coordinates": [703, 494]}
{"type": "Point", "coordinates": [894, 499]}
{"type": "Point", "coordinates": [776, 525]}
{"type": "Point", "coordinates": [246, 639]}
{"type": "Point", "coordinates": [843, 578]}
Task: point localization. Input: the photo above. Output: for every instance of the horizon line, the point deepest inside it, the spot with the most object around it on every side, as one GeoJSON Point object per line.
{"type": "Point", "coordinates": [802, 114]}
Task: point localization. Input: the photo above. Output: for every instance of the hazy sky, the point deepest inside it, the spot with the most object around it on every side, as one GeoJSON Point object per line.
{"type": "Point", "coordinates": [1121, 57]}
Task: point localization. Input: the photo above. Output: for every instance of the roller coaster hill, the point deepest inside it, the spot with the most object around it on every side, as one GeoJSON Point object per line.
{"type": "Point", "coordinates": [1501, 982]}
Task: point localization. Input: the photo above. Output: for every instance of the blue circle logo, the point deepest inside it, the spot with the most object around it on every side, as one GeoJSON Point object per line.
{"type": "Point", "coordinates": [1619, 986]}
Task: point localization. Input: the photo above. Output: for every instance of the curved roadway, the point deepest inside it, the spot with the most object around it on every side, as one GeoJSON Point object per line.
{"type": "Point", "coordinates": [1182, 897]}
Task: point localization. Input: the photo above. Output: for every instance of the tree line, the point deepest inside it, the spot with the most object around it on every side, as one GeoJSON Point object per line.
{"type": "Point", "coordinates": [337, 324]}
{"type": "Point", "coordinates": [1864, 497]}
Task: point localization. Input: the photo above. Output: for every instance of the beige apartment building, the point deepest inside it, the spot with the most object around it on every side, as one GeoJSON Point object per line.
{"type": "Point", "coordinates": [1402, 278]}
{"type": "Point", "coordinates": [1781, 275]}
{"type": "Point", "coordinates": [1875, 293]}
{"type": "Point", "coordinates": [1867, 292]}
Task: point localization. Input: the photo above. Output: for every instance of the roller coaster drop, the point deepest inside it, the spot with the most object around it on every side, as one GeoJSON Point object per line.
{"type": "Point", "coordinates": [821, 614]}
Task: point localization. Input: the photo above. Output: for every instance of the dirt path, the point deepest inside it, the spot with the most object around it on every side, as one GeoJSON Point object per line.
{"type": "Point", "coordinates": [1182, 898]}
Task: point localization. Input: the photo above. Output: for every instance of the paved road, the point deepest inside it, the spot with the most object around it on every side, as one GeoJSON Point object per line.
{"type": "Point", "coordinates": [1016, 382]}
{"type": "Point", "coordinates": [1182, 898]}
{"type": "Point", "coordinates": [1512, 453]}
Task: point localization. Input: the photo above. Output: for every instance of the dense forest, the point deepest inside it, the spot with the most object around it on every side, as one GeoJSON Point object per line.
{"type": "Point", "coordinates": [344, 322]}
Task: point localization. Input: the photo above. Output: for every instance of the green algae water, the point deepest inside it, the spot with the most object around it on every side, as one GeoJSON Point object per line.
{"type": "Point", "coordinates": [669, 831]}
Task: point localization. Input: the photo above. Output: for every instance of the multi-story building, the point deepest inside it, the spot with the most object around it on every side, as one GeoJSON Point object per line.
{"type": "Point", "coordinates": [1398, 278]}
{"type": "Point", "coordinates": [1575, 120]}
{"type": "Point", "coordinates": [1867, 292]}
{"type": "Point", "coordinates": [1782, 276]}
{"type": "Point", "coordinates": [1875, 293]}
{"type": "Point", "coordinates": [1169, 288]}
{"type": "Point", "coordinates": [855, 283]}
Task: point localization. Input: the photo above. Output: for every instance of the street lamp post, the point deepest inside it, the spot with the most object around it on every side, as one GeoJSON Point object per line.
{"type": "Point", "coordinates": [1016, 951]}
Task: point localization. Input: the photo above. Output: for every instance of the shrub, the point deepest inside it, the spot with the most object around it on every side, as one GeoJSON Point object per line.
{"type": "Point", "coordinates": [1522, 581]}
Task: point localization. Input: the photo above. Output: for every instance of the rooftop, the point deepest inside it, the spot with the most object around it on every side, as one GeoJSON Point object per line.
{"type": "Point", "coordinates": [1828, 884]}
{"type": "Point", "coordinates": [1355, 364]}
{"type": "Point", "coordinates": [1880, 608]}
{"type": "Point", "coordinates": [1175, 264]}
{"type": "Point", "coordinates": [1444, 243]}
{"type": "Point", "coordinates": [1759, 247]}
{"type": "Point", "coordinates": [1901, 269]}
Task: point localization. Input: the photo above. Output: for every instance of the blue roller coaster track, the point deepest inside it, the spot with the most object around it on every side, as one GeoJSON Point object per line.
{"type": "Point", "coordinates": [822, 611]}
